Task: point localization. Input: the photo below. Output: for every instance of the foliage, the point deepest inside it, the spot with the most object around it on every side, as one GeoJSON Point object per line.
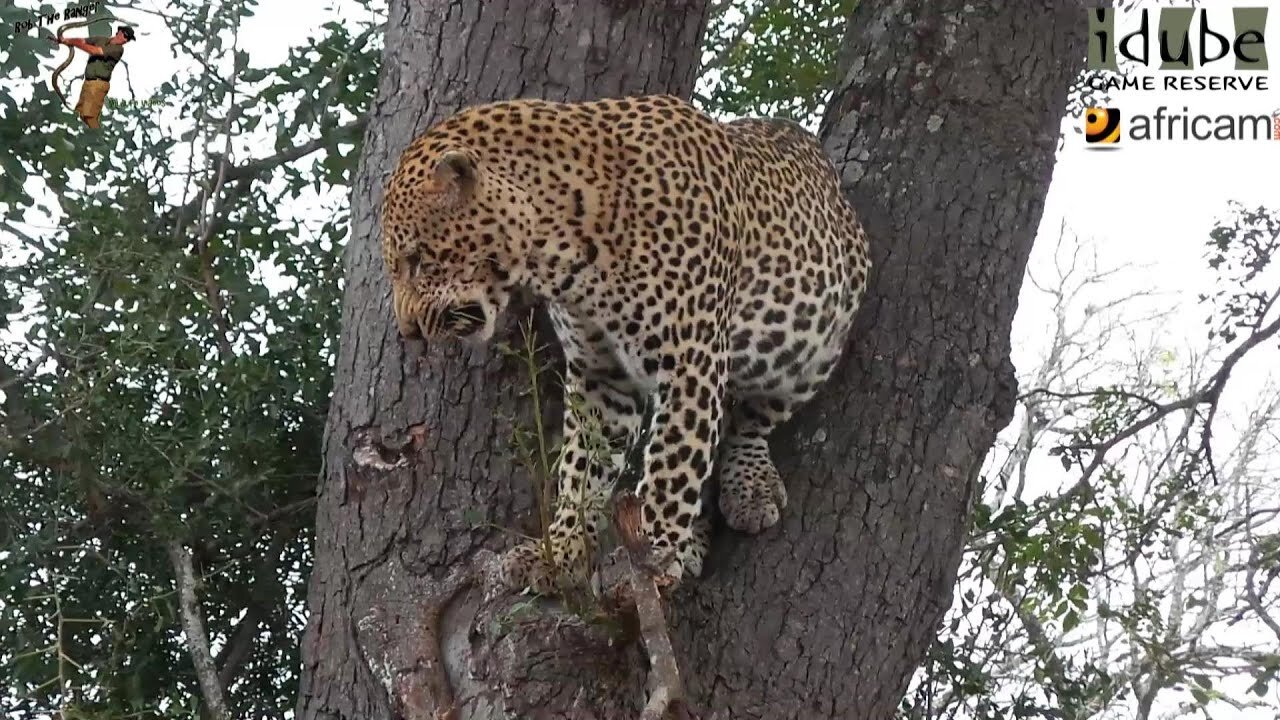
{"type": "Point", "coordinates": [772, 57]}
{"type": "Point", "coordinates": [1242, 248]}
{"type": "Point", "coordinates": [169, 326]}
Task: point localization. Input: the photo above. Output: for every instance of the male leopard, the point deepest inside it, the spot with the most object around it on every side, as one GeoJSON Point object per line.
{"type": "Point", "coordinates": [714, 268]}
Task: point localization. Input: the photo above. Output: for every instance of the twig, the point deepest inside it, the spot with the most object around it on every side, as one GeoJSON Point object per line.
{"type": "Point", "coordinates": [193, 629]}
{"type": "Point", "coordinates": [664, 675]}
{"type": "Point", "coordinates": [1209, 394]}
{"type": "Point", "coordinates": [1098, 393]}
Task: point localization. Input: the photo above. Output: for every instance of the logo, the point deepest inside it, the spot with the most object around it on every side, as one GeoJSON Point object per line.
{"type": "Point", "coordinates": [1102, 126]}
{"type": "Point", "coordinates": [1242, 38]}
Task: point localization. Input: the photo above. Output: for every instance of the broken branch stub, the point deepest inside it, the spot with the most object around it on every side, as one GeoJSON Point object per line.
{"type": "Point", "coordinates": [666, 691]}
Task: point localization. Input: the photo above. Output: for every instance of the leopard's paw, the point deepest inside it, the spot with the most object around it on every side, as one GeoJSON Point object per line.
{"type": "Point", "coordinates": [696, 551]}
{"type": "Point", "coordinates": [752, 495]}
{"type": "Point", "coordinates": [685, 561]}
{"type": "Point", "coordinates": [525, 566]}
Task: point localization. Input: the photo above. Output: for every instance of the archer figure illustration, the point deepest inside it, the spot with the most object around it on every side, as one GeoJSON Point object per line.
{"type": "Point", "coordinates": [104, 53]}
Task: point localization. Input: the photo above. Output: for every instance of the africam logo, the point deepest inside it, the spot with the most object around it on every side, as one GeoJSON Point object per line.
{"type": "Point", "coordinates": [1102, 126]}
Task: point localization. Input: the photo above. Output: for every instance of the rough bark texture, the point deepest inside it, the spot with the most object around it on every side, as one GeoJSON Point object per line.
{"type": "Point", "coordinates": [416, 449]}
{"type": "Point", "coordinates": [944, 128]}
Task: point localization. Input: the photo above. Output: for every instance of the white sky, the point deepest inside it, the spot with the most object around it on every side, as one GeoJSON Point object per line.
{"type": "Point", "coordinates": [1151, 204]}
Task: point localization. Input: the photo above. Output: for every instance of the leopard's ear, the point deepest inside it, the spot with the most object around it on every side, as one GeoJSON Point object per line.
{"type": "Point", "coordinates": [455, 172]}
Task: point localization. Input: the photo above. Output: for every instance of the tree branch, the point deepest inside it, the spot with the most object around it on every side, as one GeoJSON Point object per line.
{"type": "Point", "coordinates": [193, 629]}
{"type": "Point", "coordinates": [239, 646]}
{"type": "Point", "coordinates": [208, 222]}
{"type": "Point", "coordinates": [253, 168]}
{"type": "Point", "coordinates": [667, 694]}
{"type": "Point", "coordinates": [1208, 393]}
{"type": "Point", "coordinates": [248, 171]}
{"type": "Point", "coordinates": [1100, 392]}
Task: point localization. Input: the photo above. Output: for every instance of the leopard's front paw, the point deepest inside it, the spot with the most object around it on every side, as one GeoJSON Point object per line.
{"type": "Point", "coordinates": [684, 562]}
{"type": "Point", "coordinates": [525, 566]}
{"type": "Point", "coordinates": [752, 495]}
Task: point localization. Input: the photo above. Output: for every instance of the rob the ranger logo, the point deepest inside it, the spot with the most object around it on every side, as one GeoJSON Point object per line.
{"type": "Point", "coordinates": [1242, 37]}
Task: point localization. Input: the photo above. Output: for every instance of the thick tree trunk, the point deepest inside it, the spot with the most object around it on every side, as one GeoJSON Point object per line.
{"type": "Point", "coordinates": [944, 129]}
{"type": "Point", "coordinates": [417, 449]}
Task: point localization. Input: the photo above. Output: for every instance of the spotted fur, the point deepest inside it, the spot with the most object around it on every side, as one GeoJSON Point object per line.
{"type": "Point", "coordinates": [713, 267]}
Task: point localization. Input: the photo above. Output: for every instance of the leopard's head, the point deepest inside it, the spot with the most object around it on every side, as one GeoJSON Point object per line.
{"type": "Point", "coordinates": [446, 241]}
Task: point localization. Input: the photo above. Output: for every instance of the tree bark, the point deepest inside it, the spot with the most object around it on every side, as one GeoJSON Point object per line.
{"type": "Point", "coordinates": [944, 129]}
{"type": "Point", "coordinates": [417, 448]}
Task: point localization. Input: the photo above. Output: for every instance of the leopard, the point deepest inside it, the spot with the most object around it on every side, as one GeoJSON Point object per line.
{"type": "Point", "coordinates": [702, 278]}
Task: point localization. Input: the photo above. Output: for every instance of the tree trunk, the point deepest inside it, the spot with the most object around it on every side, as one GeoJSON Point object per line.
{"type": "Point", "coordinates": [417, 448]}
{"type": "Point", "coordinates": [944, 130]}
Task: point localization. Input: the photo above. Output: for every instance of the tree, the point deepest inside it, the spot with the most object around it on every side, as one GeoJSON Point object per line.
{"type": "Point", "coordinates": [944, 133]}
{"type": "Point", "coordinates": [107, 305]}
{"type": "Point", "coordinates": [163, 403]}
{"type": "Point", "coordinates": [385, 523]}
{"type": "Point", "coordinates": [108, 293]}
